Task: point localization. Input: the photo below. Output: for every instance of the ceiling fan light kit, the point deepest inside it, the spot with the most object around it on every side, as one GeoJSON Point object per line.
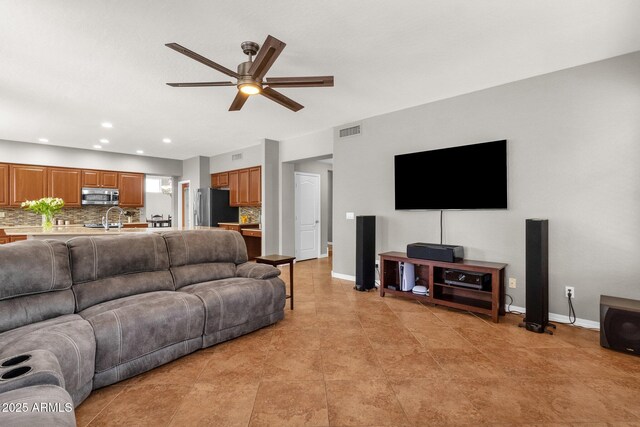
{"type": "Point", "coordinates": [250, 75]}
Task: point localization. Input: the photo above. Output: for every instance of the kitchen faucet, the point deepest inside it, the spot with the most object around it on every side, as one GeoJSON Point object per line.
{"type": "Point", "coordinates": [105, 218]}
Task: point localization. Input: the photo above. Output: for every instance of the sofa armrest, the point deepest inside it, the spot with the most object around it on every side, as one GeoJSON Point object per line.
{"type": "Point", "coordinates": [252, 270]}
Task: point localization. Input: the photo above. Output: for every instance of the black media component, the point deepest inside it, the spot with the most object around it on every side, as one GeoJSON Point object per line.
{"type": "Point", "coordinates": [466, 177]}
{"type": "Point", "coordinates": [620, 324]}
{"type": "Point", "coordinates": [468, 279]}
{"type": "Point", "coordinates": [435, 252]}
{"type": "Point", "coordinates": [537, 276]}
{"type": "Point", "coordinates": [365, 253]}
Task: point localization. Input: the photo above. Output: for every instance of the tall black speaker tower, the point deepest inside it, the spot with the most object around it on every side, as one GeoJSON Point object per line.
{"type": "Point", "coordinates": [537, 276]}
{"type": "Point", "coordinates": [365, 253]}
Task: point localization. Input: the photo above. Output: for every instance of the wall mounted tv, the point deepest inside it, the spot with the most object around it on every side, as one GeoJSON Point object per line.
{"type": "Point", "coordinates": [466, 177]}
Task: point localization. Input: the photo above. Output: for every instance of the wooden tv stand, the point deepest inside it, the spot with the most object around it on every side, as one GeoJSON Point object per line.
{"type": "Point", "coordinates": [431, 274]}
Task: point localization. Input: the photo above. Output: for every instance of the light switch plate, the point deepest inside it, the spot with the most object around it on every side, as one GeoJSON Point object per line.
{"type": "Point", "coordinates": [351, 215]}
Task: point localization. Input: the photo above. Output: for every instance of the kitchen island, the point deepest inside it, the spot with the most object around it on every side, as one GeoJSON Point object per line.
{"type": "Point", "coordinates": [66, 232]}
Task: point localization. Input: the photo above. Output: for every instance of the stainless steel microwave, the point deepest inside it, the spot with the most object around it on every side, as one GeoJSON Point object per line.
{"type": "Point", "coordinates": [100, 196]}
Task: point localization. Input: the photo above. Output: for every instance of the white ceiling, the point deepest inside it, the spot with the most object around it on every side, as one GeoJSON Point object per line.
{"type": "Point", "coordinates": [65, 67]}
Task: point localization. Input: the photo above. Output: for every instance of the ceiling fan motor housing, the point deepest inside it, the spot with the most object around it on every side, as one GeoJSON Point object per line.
{"type": "Point", "coordinates": [245, 76]}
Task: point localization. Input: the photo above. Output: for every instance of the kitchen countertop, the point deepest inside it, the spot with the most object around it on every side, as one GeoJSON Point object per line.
{"type": "Point", "coordinates": [81, 230]}
{"type": "Point", "coordinates": [239, 223]}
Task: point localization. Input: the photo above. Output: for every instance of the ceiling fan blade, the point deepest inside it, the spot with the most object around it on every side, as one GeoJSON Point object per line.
{"type": "Point", "coordinates": [326, 81]}
{"type": "Point", "coordinates": [201, 59]}
{"type": "Point", "coordinates": [281, 99]}
{"type": "Point", "coordinates": [268, 53]}
{"type": "Point", "coordinates": [201, 84]}
{"type": "Point", "coordinates": [238, 101]}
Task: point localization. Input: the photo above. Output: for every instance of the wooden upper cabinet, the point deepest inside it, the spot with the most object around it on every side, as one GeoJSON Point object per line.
{"type": "Point", "coordinates": [66, 184]}
{"type": "Point", "coordinates": [220, 180]}
{"type": "Point", "coordinates": [233, 188]}
{"type": "Point", "coordinates": [105, 179]}
{"type": "Point", "coordinates": [223, 179]}
{"type": "Point", "coordinates": [90, 178]}
{"type": "Point", "coordinates": [255, 186]}
{"type": "Point", "coordinates": [108, 179]}
{"type": "Point", "coordinates": [243, 187]}
{"type": "Point", "coordinates": [4, 184]}
{"type": "Point", "coordinates": [131, 186]}
{"type": "Point", "coordinates": [26, 182]}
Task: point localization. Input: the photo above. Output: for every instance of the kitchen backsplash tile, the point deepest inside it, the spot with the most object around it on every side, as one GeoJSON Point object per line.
{"type": "Point", "coordinates": [253, 213]}
{"type": "Point", "coordinates": [87, 214]}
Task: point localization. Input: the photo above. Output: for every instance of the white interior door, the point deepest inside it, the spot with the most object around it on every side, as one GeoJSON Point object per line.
{"type": "Point", "coordinates": [307, 215]}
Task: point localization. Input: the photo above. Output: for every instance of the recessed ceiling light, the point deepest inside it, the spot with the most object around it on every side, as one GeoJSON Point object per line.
{"type": "Point", "coordinates": [166, 140]}
{"type": "Point", "coordinates": [107, 125]}
{"type": "Point", "coordinates": [104, 141]}
{"type": "Point", "coordinates": [43, 140]}
{"type": "Point", "coordinates": [139, 151]}
{"type": "Point", "coordinates": [97, 146]}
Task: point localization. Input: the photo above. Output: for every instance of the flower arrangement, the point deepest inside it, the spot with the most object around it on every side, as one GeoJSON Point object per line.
{"type": "Point", "coordinates": [47, 207]}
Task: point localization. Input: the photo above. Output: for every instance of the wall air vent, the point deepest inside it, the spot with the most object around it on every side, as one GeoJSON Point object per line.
{"type": "Point", "coordinates": [350, 131]}
{"type": "Point", "coordinates": [236, 156]}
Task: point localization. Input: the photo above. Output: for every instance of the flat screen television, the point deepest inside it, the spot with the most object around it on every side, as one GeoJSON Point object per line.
{"type": "Point", "coordinates": [466, 177]}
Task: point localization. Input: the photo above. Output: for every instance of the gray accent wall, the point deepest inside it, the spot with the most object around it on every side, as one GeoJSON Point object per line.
{"type": "Point", "coordinates": [251, 156]}
{"type": "Point", "coordinates": [573, 155]}
{"type": "Point", "coordinates": [270, 197]}
{"type": "Point", "coordinates": [51, 155]}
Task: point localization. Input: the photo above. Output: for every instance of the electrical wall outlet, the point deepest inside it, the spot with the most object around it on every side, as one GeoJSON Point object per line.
{"type": "Point", "coordinates": [512, 282]}
{"type": "Point", "coordinates": [569, 288]}
{"type": "Point", "coordinates": [351, 215]}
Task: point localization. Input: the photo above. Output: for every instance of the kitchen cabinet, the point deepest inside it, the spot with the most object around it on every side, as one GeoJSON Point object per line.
{"type": "Point", "coordinates": [245, 185]}
{"type": "Point", "coordinates": [4, 184]}
{"type": "Point", "coordinates": [4, 240]}
{"type": "Point", "coordinates": [104, 179]}
{"type": "Point", "coordinates": [220, 180]}
{"type": "Point", "coordinates": [26, 182]}
{"type": "Point", "coordinates": [131, 186]}
{"type": "Point", "coordinates": [233, 188]}
{"type": "Point", "coordinates": [18, 238]}
{"type": "Point", "coordinates": [255, 186]}
{"type": "Point", "coordinates": [66, 184]}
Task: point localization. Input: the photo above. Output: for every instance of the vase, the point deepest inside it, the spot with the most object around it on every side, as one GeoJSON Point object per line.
{"type": "Point", "coordinates": [47, 220]}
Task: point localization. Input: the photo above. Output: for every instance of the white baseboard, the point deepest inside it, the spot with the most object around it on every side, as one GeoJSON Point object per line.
{"type": "Point", "coordinates": [343, 276]}
{"type": "Point", "coordinates": [554, 317]}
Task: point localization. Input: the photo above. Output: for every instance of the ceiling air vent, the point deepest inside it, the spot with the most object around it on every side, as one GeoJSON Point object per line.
{"type": "Point", "coordinates": [351, 131]}
{"type": "Point", "coordinates": [236, 156]}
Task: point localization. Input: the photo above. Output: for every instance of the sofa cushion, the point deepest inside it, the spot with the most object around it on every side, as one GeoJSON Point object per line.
{"type": "Point", "coordinates": [132, 327]}
{"type": "Point", "coordinates": [21, 311]}
{"type": "Point", "coordinates": [252, 270]}
{"type": "Point", "coordinates": [110, 267]}
{"type": "Point", "coordinates": [33, 267]}
{"type": "Point", "coordinates": [236, 301]}
{"type": "Point", "coordinates": [40, 405]}
{"type": "Point", "coordinates": [69, 338]}
{"type": "Point", "coordinates": [203, 255]}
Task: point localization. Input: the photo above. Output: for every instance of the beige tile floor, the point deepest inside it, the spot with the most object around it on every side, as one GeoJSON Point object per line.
{"type": "Point", "coordinates": [345, 358]}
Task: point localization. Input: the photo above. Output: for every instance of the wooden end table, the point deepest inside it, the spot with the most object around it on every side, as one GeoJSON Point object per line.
{"type": "Point", "coordinates": [276, 260]}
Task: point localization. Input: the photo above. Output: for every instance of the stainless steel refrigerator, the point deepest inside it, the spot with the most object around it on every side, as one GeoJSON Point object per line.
{"type": "Point", "coordinates": [212, 206]}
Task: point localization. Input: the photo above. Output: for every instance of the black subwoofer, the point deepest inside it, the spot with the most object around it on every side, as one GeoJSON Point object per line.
{"type": "Point", "coordinates": [620, 324]}
{"type": "Point", "coordinates": [365, 252]}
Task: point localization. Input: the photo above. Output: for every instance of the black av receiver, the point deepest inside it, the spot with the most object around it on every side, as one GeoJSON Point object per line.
{"type": "Point", "coordinates": [468, 279]}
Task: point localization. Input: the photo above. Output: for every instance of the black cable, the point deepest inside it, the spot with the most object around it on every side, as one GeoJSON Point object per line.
{"type": "Point", "coordinates": [572, 312]}
{"type": "Point", "coordinates": [508, 310]}
{"type": "Point", "coordinates": [441, 226]}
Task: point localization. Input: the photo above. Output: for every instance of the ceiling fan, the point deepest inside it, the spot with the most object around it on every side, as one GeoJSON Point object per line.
{"type": "Point", "coordinates": [250, 74]}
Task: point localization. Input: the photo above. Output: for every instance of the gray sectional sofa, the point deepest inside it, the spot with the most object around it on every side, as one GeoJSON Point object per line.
{"type": "Point", "coordinates": [93, 311]}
